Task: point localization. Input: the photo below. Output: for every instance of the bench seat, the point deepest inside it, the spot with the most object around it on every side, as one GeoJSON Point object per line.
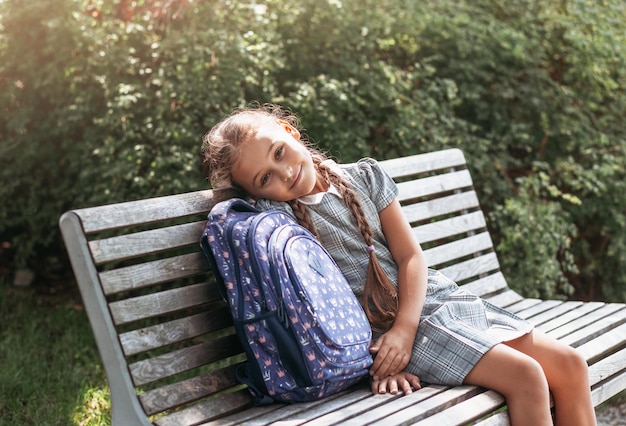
{"type": "Point", "coordinates": [166, 338]}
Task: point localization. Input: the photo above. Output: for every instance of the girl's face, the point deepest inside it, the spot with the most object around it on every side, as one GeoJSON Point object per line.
{"type": "Point", "coordinates": [275, 165]}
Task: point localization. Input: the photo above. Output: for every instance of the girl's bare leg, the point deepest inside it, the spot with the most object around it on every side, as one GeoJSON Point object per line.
{"type": "Point", "coordinates": [520, 379]}
{"type": "Point", "coordinates": [567, 375]}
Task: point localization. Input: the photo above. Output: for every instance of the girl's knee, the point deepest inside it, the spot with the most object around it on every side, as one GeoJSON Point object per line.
{"type": "Point", "coordinates": [571, 365]}
{"type": "Point", "coordinates": [531, 372]}
{"type": "Point", "coordinates": [512, 373]}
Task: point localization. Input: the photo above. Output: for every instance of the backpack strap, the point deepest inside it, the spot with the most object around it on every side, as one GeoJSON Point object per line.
{"type": "Point", "coordinates": [221, 210]}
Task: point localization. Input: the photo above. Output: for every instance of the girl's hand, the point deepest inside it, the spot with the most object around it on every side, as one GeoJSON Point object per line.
{"type": "Point", "coordinates": [392, 352]}
{"type": "Point", "coordinates": [405, 382]}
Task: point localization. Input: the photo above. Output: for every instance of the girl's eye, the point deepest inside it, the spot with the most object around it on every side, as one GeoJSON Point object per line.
{"type": "Point", "coordinates": [265, 178]}
{"type": "Point", "coordinates": [278, 153]}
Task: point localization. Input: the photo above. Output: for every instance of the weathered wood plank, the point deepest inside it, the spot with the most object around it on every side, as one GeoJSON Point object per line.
{"type": "Point", "coordinates": [161, 303]}
{"type": "Point", "coordinates": [555, 312]}
{"type": "Point", "coordinates": [190, 390]}
{"type": "Point", "coordinates": [566, 330]}
{"type": "Point", "coordinates": [523, 304]}
{"type": "Point", "coordinates": [147, 274]}
{"type": "Point", "coordinates": [580, 311]}
{"type": "Point", "coordinates": [245, 416]}
{"type": "Point", "coordinates": [488, 285]}
{"type": "Point", "coordinates": [142, 243]}
{"type": "Point", "coordinates": [609, 388]}
{"type": "Point", "coordinates": [446, 228]}
{"type": "Point", "coordinates": [140, 212]}
{"type": "Point", "coordinates": [597, 327]}
{"type": "Point", "coordinates": [443, 206]}
{"type": "Point", "coordinates": [387, 415]}
{"type": "Point", "coordinates": [367, 405]}
{"type": "Point", "coordinates": [311, 415]}
{"type": "Point", "coordinates": [538, 308]}
{"type": "Point", "coordinates": [169, 364]}
{"type": "Point", "coordinates": [505, 299]}
{"type": "Point", "coordinates": [604, 344]}
{"type": "Point", "coordinates": [207, 410]}
{"type": "Point", "coordinates": [216, 317]}
{"type": "Point", "coordinates": [458, 249]}
{"type": "Point", "coordinates": [420, 163]}
{"type": "Point", "coordinates": [607, 367]}
{"type": "Point", "coordinates": [466, 411]}
{"type": "Point", "coordinates": [472, 268]}
{"type": "Point", "coordinates": [498, 419]}
{"type": "Point", "coordinates": [433, 185]}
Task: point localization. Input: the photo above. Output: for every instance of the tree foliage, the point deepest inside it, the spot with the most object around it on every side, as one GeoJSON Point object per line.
{"type": "Point", "coordinates": [105, 101]}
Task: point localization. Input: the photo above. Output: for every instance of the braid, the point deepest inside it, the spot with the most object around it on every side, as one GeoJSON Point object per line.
{"type": "Point", "coordinates": [379, 292]}
{"type": "Point", "coordinates": [303, 216]}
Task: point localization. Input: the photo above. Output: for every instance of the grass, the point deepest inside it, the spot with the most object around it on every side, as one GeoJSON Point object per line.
{"type": "Point", "coordinates": [51, 372]}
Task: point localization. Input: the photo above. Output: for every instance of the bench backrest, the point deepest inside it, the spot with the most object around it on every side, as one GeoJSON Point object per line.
{"type": "Point", "coordinates": [161, 328]}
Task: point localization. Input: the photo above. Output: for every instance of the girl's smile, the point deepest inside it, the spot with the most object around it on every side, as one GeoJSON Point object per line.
{"type": "Point", "coordinates": [275, 164]}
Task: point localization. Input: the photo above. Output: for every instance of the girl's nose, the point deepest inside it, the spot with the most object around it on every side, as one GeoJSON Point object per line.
{"type": "Point", "coordinates": [287, 172]}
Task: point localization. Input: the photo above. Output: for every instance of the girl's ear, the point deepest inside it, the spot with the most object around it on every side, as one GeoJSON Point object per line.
{"type": "Point", "coordinates": [289, 129]}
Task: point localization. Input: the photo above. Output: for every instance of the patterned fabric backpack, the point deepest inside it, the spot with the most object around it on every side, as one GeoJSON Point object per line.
{"type": "Point", "coordinates": [303, 330]}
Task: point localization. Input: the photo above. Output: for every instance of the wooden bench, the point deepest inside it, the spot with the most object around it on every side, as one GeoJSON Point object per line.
{"type": "Point", "coordinates": [167, 344]}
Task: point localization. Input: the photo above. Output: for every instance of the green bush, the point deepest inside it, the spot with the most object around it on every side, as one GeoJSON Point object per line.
{"type": "Point", "coordinates": [104, 102]}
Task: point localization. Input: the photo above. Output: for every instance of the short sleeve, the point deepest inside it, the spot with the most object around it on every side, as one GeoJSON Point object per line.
{"type": "Point", "coordinates": [376, 183]}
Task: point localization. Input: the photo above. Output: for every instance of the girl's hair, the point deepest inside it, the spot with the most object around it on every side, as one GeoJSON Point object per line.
{"type": "Point", "coordinates": [221, 147]}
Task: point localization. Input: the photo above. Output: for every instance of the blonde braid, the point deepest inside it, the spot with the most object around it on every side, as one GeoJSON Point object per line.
{"type": "Point", "coordinates": [379, 292]}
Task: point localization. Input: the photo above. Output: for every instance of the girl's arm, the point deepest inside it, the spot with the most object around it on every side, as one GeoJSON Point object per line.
{"type": "Point", "coordinates": [393, 349]}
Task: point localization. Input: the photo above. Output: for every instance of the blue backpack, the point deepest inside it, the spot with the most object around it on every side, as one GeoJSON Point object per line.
{"type": "Point", "coordinates": [304, 332]}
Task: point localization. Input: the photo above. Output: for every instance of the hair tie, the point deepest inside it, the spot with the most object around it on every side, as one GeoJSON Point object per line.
{"type": "Point", "coordinates": [370, 249]}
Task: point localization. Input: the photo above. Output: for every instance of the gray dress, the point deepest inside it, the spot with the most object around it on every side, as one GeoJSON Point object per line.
{"type": "Point", "coordinates": [456, 327]}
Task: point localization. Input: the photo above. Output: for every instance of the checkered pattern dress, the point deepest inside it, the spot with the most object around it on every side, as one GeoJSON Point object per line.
{"type": "Point", "coordinates": [456, 328]}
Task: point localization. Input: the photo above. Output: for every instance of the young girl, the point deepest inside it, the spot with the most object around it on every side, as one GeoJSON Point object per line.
{"type": "Point", "coordinates": [426, 327]}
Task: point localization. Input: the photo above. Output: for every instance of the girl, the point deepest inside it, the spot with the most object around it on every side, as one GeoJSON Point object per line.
{"type": "Point", "coordinates": [425, 326]}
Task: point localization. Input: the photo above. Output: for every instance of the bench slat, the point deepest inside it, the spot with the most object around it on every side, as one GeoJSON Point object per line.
{"type": "Point", "coordinates": [142, 243]}
{"type": "Point", "coordinates": [505, 298]}
{"type": "Point", "coordinates": [420, 163]}
{"type": "Point", "coordinates": [604, 344]}
{"type": "Point", "coordinates": [310, 413]}
{"type": "Point", "coordinates": [427, 210]}
{"type": "Point", "coordinates": [161, 303]}
{"type": "Point", "coordinates": [360, 408]}
{"type": "Point", "coordinates": [175, 362]}
{"type": "Point", "coordinates": [596, 327]}
{"type": "Point", "coordinates": [450, 227]}
{"type": "Point", "coordinates": [466, 411]}
{"type": "Point", "coordinates": [151, 273]}
{"type": "Point", "coordinates": [562, 309]}
{"type": "Point", "coordinates": [472, 268]}
{"type": "Point", "coordinates": [582, 310]}
{"type": "Point", "coordinates": [389, 416]}
{"type": "Point", "coordinates": [488, 286]}
{"type": "Point", "coordinates": [578, 323]}
{"type": "Point", "coordinates": [190, 390]}
{"type": "Point", "coordinates": [215, 318]}
{"type": "Point", "coordinates": [207, 410]}
{"type": "Point", "coordinates": [539, 308]}
{"type": "Point", "coordinates": [609, 388]}
{"type": "Point", "coordinates": [523, 305]}
{"type": "Point", "coordinates": [433, 185]}
{"type": "Point", "coordinates": [458, 249]}
{"type": "Point", "coordinates": [140, 212]}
